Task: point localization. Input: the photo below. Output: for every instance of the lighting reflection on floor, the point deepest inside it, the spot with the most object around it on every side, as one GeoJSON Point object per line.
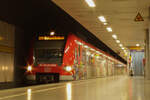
{"type": "Point", "coordinates": [69, 91]}
{"type": "Point", "coordinates": [111, 88]}
{"type": "Point", "coordinates": [29, 92]}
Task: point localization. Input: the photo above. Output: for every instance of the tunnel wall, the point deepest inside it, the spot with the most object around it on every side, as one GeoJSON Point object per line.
{"type": "Point", "coordinates": [7, 32]}
{"type": "Point", "coordinates": [14, 48]}
{"type": "Point", "coordinates": [23, 40]}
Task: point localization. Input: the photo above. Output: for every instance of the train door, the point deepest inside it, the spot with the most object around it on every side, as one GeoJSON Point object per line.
{"type": "Point", "coordinates": [93, 66]}
{"type": "Point", "coordinates": [97, 63]}
{"type": "Point", "coordinates": [103, 68]}
{"type": "Point", "coordinates": [84, 57]}
{"type": "Point", "coordinates": [109, 68]}
{"type": "Point", "coordinates": [113, 68]}
{"type": "Point", "coordinates": [76, 69]}
{"type": "Point", "coordinates": [81, 64]}
{"type": "Point", "coordinates": [89, 62]}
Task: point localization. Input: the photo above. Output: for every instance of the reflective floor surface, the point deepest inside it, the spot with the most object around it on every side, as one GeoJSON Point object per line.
{"type": "Point", "coordinates": [111, 88]}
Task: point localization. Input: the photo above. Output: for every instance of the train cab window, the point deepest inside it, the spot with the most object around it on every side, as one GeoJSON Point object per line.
{"type": "Point", "coordinates": [48, 53]}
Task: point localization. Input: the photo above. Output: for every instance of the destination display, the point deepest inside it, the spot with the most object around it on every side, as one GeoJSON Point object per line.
{"type": "Point", "coordinates": [51, 38]}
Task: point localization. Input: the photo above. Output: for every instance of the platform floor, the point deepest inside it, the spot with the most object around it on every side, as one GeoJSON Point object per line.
{"type": "Point", "coordinates": [111, 88]}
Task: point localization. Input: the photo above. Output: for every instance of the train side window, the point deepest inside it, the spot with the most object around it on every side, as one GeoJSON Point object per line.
{"type": "Point", "coordinates": [75, 54]}
{"type": "Point", "coordinates": [90, 59]}
{"type": "Point", "coordinates": [83, 56]}
{"type": "Point", "coordinates": [79, 51]}
{"type": "Point", "coordinates": [87, 57]}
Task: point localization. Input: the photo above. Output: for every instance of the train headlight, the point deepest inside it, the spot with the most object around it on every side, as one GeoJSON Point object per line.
{"type": "Point", "coordinates": [68, 68]}
{"type": "Point", "coordinates": [29, 68]}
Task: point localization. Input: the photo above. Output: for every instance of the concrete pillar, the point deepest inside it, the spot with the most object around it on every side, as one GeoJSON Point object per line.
{"type": "Point", "coordinates": [147, 54]}
{"type": "Point", "coordinates": [147, 51]}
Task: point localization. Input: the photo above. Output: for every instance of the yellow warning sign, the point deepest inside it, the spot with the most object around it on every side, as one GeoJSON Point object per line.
{"type": "Point", "coordinates": [135, 48]}
{"type": "Point", "coordinates": [139, 18]}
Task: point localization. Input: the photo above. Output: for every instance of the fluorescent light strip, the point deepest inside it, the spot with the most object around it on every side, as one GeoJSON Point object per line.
{"type": "Point", "coordinates": [114, 36]}
{"type": "Point", "coordinates": [122, 48]}
{"type": "Point", "coordinates": [109, 29]}
{"type": "Point", "coordinates": [117, 41]}
{"type": "Point", "coordinates": [105, 23]}
{"type": "Point", "coordinates": [90, 3]}
{"type": "Point", "coordinates": [102, 19]}
{"type": "Point", "coordinates": [120, 45]}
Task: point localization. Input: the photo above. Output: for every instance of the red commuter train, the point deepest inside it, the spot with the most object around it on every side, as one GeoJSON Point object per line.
{"type": "Point", "coordinates": [55, 57]}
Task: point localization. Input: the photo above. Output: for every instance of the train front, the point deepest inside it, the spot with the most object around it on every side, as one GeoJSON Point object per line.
{"type": "Point", "coordinates": [47, 58]}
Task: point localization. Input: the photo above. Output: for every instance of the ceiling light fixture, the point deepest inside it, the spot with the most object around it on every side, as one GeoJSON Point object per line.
{"type": "Point", "coordinates": [137, 45]}
{"type": "Point", "coordinates": [122, 48]}
{"type": "Point", "coordinates": [105, 23]}
{"type": "Point", "coordinates": [117, 41]}
{"type": "Point", "coordinates": [102, 19]}
{"type": "Point", "coordinates": [114, 36]}
{"type": "Point", "coordinates": [90, 3]}
{"type": "Point", "coordinates": [109, 29]}
{"type": "Point", "coordinates": [120, 45]}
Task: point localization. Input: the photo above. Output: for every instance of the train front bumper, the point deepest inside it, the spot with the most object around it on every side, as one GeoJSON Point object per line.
{"type": "Point", "coordinates": [66, 77]}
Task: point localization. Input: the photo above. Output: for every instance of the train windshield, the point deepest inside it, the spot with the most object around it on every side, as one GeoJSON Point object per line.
{"type": "Point", "coordinates": [48, 52]}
